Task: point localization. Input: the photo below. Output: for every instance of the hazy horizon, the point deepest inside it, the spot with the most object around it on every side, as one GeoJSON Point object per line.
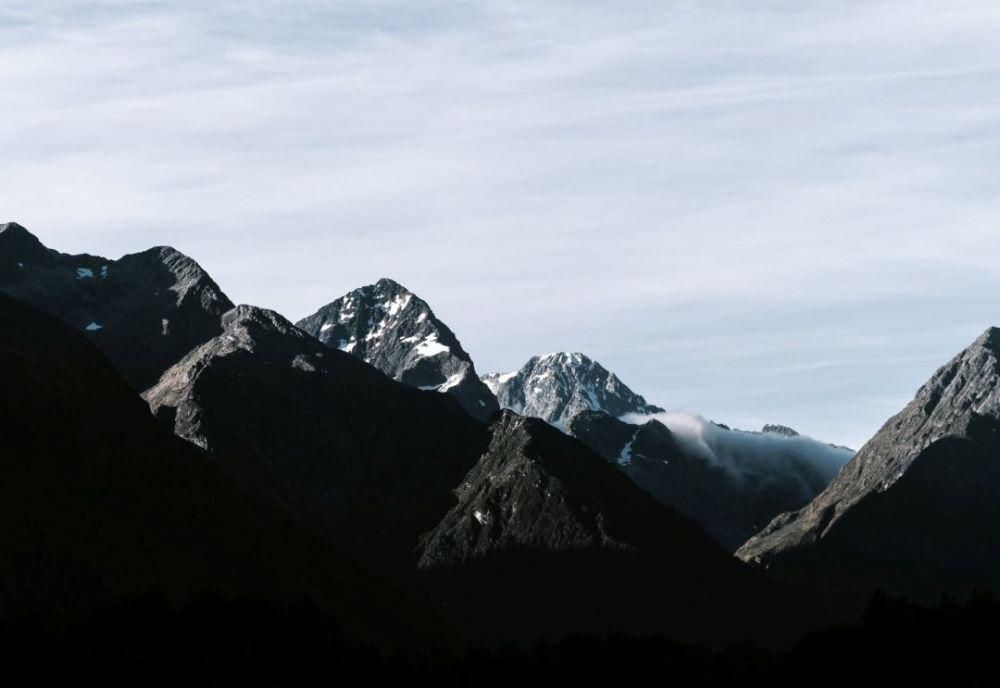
{"type": "Point", "coordinates": [772, 214]}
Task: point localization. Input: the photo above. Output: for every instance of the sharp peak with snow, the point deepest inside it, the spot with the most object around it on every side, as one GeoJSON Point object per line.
{"type": "Point", "coordinates": [571, 356]}
{"type": "Point", "coordinates": [381, 286]}
{"type": "Point", "coordinates": [391, 328]}
{"type": "Point", "coordinates": [390, 283]}
{"type": "Point", "coordinates": [557, 386]}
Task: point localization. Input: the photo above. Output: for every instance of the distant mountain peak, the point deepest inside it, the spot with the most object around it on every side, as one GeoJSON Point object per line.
{"type": "Point", "coordinates": [557, 386]}
{"type": "Point", "coordinates": [782, 430]}
{"type": "Point", "coordinates": [394, 330]}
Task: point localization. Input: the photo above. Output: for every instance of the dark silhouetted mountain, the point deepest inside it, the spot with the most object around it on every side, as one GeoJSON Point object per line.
{"type": "Point", "coordinates": [101, 504]}
{"type": "Point", "coordinates": [144, 311]}
{"type": "Point", "coordinates": [333, 439]}
{"type": "Point", "coordinates": [376, 463]}
{"type": "Point", "coordinates": [546, 530]}
{"type": "Point", "coordinates": [556, 387]}
{"type": "Point", "coordinates": [394, 330]}
{"type": "Point", "coordinates": [730, 504]}
{"type": "Point", "coordinates": [915, 511]}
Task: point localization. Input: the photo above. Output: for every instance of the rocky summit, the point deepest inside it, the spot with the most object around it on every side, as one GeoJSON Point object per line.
{"type": "Point", "coordinates": [144, 311]}
{"type": "Point", "coordinates": [394, 330]}
{"type": "Point", "coordinates": [557, 386]}
{"type": "Point", "coordinates": [915, 511]}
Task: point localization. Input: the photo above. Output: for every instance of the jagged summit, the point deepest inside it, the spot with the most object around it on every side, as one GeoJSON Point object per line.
{"type": "Point", "coordinates": [19, 247]}
{"type": "Point", "coordinates": [245, 315]}
{"type": "Point", "coordinates": [958, 408]}
{"type": "Point", "coordinates": [13, 228]}
{"type": "Point", "coordinates": [782, 430]}
{"type": "Point", "coordinates": [387, 283]}
{"type": "Point", "coordinates": [557, 386]}
{"type": "Point", "coordinates": [144, 311]}
{"type": "Point", "coordinates": [393, 329]}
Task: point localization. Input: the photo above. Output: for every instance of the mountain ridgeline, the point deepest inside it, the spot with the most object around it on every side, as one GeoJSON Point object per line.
{"type": "Point", "coordinates": [145, 311]}
{"type": "Point", "coordinates": [915, 511]}
{"type": "Point", "coordinates": [405, 480]}
{"type": "Point", "coordinates": [160, 440]}
{"type": "Point", "coordinates": [286, 441]}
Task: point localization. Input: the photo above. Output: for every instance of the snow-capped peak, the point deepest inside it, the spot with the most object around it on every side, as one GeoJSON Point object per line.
{"type": "Point", "coordinates": [394, 330]}
{"type": "Point", "coordinates": [557, 386]}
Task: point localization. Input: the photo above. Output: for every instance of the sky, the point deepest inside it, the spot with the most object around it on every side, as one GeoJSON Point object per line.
{"type": "Point", "coordinates": [775, 211]}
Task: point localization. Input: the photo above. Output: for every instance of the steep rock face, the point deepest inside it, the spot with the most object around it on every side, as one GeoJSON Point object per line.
{"type": "Point", "coordinates": [144, 311]}
{"type": "Point", "coordinates": [100, 503]}
{"type": "Point", "coordinates": [369, 461]}
{"type": "Point", "coordinates": [909, 513]}
{"type": "Point", "coordinates": [394, 330]}
{"type": "Point", "coordinates": [546, 536]}
{"type": "Point", "coordinates": [730, 506]}
{"type": "Point", "coordinates": [556, 387]}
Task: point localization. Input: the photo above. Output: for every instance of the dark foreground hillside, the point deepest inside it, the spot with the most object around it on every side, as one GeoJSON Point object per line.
{"type": "Point", "coordinates": [227, 643]}
{"type": "Point", "coordinates": [100, 503]}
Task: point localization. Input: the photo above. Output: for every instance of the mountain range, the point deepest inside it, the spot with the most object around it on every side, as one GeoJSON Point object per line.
{"type": "Point", "coordinates": [158, 437]}
{"type": "Point", "coordinates": [399, 481]}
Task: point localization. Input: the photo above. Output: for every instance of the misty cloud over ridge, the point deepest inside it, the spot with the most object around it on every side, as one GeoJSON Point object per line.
{"type": "Point", "coordinates": [753, 454]}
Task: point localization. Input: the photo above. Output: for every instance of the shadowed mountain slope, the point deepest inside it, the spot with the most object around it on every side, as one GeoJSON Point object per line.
{"type": "Point", "coordinates": [915, 511]}
{"type": "Point", "coordinates": [100, 503]}
{"type": "Point", "coordinates": [546, 538]}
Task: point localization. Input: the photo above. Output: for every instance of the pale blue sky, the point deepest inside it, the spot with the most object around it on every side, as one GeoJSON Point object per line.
{"type": "Point", "coordinates": [758, 211]}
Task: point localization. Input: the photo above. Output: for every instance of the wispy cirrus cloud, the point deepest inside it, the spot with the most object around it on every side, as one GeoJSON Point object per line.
{"type": "Point", "coordinates": [780, 211]}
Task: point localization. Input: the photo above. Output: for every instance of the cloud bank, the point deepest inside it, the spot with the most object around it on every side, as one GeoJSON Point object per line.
{"type": "Point", "coordinates": [755, 455]}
